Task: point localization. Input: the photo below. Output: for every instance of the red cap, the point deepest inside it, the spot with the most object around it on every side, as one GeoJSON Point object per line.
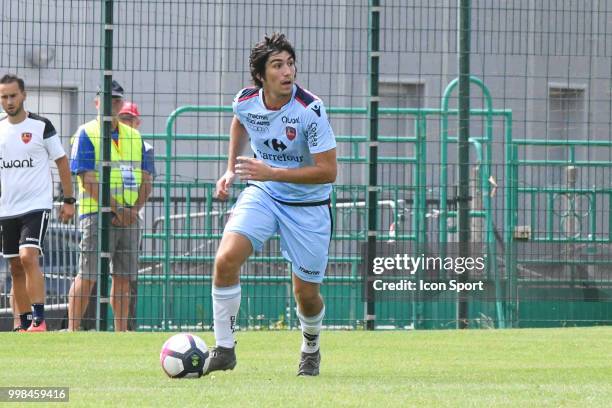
{"type": "Point", "coordinates": [130, 108]}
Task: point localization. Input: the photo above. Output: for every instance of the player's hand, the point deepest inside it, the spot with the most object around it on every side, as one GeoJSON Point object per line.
{"type": "Point", "coordinates": [248, 168]}
{"type": "Point", "coordinates": [66, 213]}
{"type": "Point", "coordinates": [223, 185]}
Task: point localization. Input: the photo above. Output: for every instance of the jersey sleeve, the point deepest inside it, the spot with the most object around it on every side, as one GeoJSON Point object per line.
{"type": "Point", "coordinates": [82, 155]}
{"type": "Point", "coordinates": [148, 159]}
{"type": "Point", "coordinates": [318, 131]}
{"type": "Point", "coordinates": [243, 95]}
{"type": "Point", "coordinates": [51, 140]}
{"type": "Point", "coordinates": [49, 130]}
{"type": "Point", "coordinates": [235, 106]}
{"type": "Point", "coordinates": [54, 147]}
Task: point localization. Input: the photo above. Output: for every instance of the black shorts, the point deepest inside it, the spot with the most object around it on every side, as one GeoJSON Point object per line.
{"type": "Point", "coordinates": [27, 230]}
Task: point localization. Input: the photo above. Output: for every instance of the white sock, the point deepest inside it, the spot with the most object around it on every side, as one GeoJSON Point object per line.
{"type": "Point", "coordinates": [226, 302]}
{"type": "Point", "coordinates": [311, 328]}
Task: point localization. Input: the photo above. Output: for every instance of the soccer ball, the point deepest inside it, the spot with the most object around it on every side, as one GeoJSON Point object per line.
{"type": "Point", "coordinates": [184, 355]}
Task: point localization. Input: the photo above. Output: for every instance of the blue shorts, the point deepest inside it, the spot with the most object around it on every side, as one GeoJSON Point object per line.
{"type": "Point", "coordinates": [305, 231]}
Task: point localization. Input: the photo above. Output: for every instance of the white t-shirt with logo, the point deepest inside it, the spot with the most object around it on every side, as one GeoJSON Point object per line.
{"type": "Point", "coordinates": [25, 174]}
{"type": "Point", "coordinates": [287, 138]}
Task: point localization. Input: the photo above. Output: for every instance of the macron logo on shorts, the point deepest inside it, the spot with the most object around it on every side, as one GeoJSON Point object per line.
{"type": "Point", "coordinates": [309, 272]}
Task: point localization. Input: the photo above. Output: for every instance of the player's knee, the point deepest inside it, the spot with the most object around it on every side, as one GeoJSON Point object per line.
{"type": "Point", "coordinates": [226, 264]}
{"type": "Point", "coordinates": [17, 270]}
{"type": "Point", "coordinates": [28, 260]}
{"type": "Point", "coordinates": [18, 273]}
{"type": "Point", "coordinates": [306, 296]}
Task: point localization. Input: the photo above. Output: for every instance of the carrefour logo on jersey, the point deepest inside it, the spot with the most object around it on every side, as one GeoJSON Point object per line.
{"type": "Point", "coordinates": [280, 157]}
{"type": "Point", "coordinates": [17, 164]}
{"type": "Point", "coordinates": [276, 145]}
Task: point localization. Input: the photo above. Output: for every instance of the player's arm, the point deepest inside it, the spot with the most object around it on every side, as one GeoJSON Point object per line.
{"type": "Point", "coordinates": [65, 178]}
{"type": "Point", "coordinates": [67, 210]}
{"type": "Point", "coordinates": [323, 171]}
{"type": "Point", "coordinates": [55, 152]}
{"type": "Point", "coordinates": [238, 140]}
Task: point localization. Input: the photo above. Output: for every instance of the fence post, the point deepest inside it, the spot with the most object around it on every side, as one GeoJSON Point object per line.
{"type": "Point", "coordinates": [463, 152]}
{"type": "Point", "coordinates": [372, 199]}
{"type": "Point", "coordinates": [104, 169]}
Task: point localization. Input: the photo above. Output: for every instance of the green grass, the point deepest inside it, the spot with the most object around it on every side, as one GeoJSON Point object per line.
{"type": "Point", "coordinates": [529, 367]}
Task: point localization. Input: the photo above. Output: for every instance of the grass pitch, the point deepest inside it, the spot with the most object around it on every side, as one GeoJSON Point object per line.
{"type": "Point", "coordinates": [543, 367]}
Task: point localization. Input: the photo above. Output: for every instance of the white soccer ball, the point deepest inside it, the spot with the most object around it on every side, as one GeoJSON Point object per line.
{"type": "Point", "coordinates": [184, 355]}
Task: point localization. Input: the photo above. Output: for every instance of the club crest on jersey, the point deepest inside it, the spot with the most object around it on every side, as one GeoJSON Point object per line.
{"type": "Point", "coordinates": [26, 137]}
{"type": "Point", "coordinates": [290, 132]}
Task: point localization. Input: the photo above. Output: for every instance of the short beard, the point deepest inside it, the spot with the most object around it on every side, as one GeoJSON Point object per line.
{"type": "Point", "coordinates": [17, 112]}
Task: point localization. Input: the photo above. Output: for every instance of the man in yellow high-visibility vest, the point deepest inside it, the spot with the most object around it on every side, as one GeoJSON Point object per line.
{"type": "Point", "coordinates": [130, 115]}
{"type": "Point", "coordinates": [129, 183]}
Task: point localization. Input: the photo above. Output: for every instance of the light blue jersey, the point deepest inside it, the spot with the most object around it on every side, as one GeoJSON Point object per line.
{"type": "Point", "coordinates": [300, 213]}
{"type": "Point", "coordinates": [287, 138]}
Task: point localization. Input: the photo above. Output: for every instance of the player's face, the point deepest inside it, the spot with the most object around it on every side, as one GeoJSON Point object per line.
{"type": "Point", "coordinates": [280, 74]}
{"type": "Point", "coordinates": [11, 98]}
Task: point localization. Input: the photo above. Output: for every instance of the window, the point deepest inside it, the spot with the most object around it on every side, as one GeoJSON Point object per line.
{"type": "Point", "coordinates": [398, 95]}
{"type": "Point", "coordinates": [566, 113]}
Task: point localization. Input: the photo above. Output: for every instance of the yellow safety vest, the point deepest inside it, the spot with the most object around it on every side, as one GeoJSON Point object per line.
{"type": "Point", "coordinates": [126, 166]}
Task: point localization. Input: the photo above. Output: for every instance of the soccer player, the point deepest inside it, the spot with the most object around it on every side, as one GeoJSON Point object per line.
{"type": "Point", "coordinates": [27, 143]}
{"type": "Point", "coordinates": [289, 185]}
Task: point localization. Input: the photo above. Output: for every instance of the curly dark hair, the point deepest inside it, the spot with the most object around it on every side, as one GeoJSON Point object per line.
{"type": "Point", "coordinates": [260, 53]}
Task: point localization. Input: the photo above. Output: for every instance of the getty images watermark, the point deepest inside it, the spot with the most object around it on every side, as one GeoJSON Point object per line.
{"type": "Point", "coordinates": [388, 272]}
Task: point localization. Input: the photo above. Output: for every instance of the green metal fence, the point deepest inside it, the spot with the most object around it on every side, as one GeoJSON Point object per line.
{"type": "Point", "coordinates": [509, 289]}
